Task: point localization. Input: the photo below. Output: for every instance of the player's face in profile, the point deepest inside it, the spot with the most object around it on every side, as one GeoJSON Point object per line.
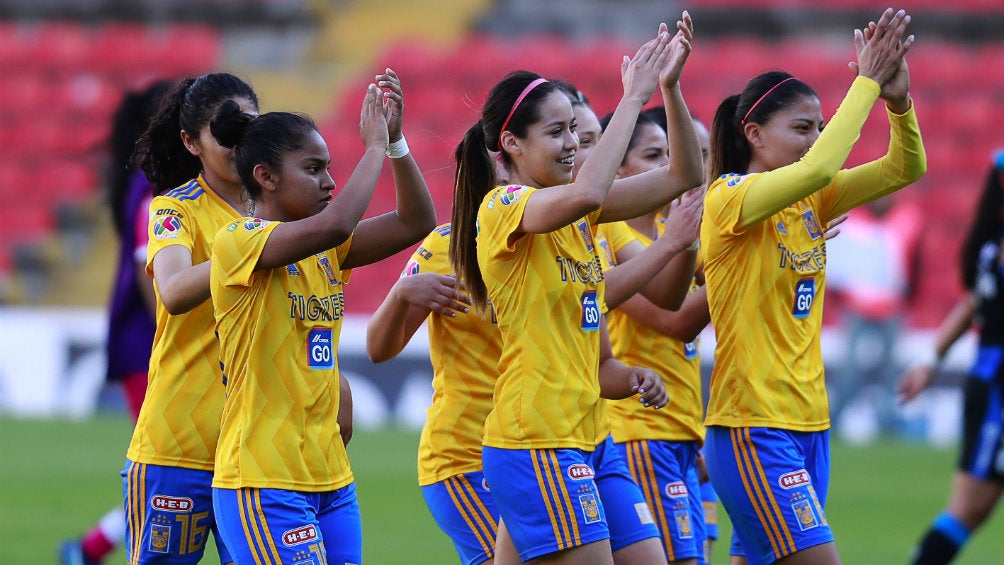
{"type": "Point", "coordinates": [650, 151]}
{"type": "Point", "coordinates": [789, 133]}
{"type": "Point", "coordinates": [216, 159]}
{"type": "Point", "coordinates": [304, 184]}
{"type": "Point", "coordinates": [589, 130]}
{"type": "Point", "coordinates": [546, 155]}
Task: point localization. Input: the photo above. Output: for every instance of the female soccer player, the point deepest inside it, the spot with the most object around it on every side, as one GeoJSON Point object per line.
{"type": "Point", "coordinates": [777, 180]}
{"type": "Point", "coordinates": [283, 489]}
{"type": "Point", "coordinates": [979, 477]}
{"type": "Point", "coordinates": [535, 250]}
{"type": "Point", "coordinates": [661, 448]}
{"type": "Point", "coordinates": [169, 466]}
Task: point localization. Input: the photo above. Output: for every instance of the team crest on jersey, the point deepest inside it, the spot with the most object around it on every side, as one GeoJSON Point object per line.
{"type": "Point", "coordinates": [811, 224]}
{"type": "Point", "coordinates": [320, 349]}
{"type": "Point", "coordinates": [160, 538]}
{"type": "Point", "coordinates": [587, 237]}
{"type": "Point", "coordinates": [412, 268]}
{"type": "Point", "coordinates": [805, 294]}
{"type": "Point", "coordinates": [684, 530]}
{"type": "Point", "coordinates": [511, 194]}
{"type": "Point", "coordinates": [590, 311]}
{"type": "Point", "coordinates": [166, 227]}
{"type": "Point", "coordinates": [296, 536]}
{"type": "Point", "coordinates": [255, 224]}
{"type": "Point", "coordinates": [293, 270]}
{"type": "Point", "coordinates": [590, 508]}
{"type": "Point", "coordinates": [328, 270]}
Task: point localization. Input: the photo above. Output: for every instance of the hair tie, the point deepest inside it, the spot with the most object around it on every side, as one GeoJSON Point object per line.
{"type": "Point", "coordinates": [765, 94]}
{"type": "Point", "coordinates": [515, 105]}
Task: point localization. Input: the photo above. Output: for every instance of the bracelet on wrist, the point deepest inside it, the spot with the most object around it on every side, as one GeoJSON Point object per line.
{"type": "Point", "coordinates": [398, 149]}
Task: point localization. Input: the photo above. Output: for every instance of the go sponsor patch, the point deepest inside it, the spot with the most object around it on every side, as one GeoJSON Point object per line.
{"type": "Point", "coordinates": [805, 294]}
{"type": "Point", "coordinates": [167, 227]}
{"type": "Point", "coordinates": [320, 350]}
{"type": "Point", "coordinates": [590, 311]}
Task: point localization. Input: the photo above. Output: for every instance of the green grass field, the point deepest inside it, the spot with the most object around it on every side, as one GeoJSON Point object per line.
{"type": "Point", "coordinates": [58, 477]}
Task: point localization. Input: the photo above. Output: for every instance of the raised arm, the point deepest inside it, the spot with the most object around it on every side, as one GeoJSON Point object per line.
{"type": "Point", "coordinates": [415, 216]}
{"type": "Point", "coordinates": [548, 210]}
{"type": "Point", "coordinates": [634, 196]}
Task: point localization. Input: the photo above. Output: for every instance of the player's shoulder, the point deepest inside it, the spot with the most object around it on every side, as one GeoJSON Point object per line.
{"type": "Point", "coordinates": [505, 195]}
{"type": "Point", "coordinates": [190, 191]}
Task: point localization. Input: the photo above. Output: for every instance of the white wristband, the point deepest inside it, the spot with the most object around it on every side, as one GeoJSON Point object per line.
{"type": "Point", "coordinates": [398, 149]}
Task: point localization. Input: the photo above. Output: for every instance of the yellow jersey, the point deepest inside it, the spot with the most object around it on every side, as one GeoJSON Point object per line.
{"type": "Point", "coordinates": [179, 421]}
{"type": "Point", "coordinates": [766, 282]}
{"type": "Point", "coordinates": [547, 290]}
{"type": "Point", "coordinates": [676, 362]}
{"type": "Point", "coordinates": [464, 351]}
{"type": "Point", "coordinates": [279, 332]}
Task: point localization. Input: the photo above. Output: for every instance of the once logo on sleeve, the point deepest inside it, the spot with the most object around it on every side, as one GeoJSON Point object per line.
{"type": "Point", "coordinates": [167, 227]}
{"type": "Point", "coordinates": [805, 293]}
{"type": "Point", "coordinates": [511, 194]}
{"type": "Point", "coordinates": [590, 311]}
{"type": "Point", "coordinates": [320, 351]}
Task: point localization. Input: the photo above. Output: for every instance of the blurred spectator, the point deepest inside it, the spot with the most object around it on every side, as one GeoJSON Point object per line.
{"type": "Point", "coordinates": [871, 270]}
{"type": "Point", "coordinates": [131, 322]}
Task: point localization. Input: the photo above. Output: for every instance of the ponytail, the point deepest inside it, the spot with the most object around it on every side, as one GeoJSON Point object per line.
{"type": "Point", "coordinates": [729, 151]}
{"type": "Point", "coordinates": [475, 178]}
{"type": "Point", "coordinates": [163, 156]}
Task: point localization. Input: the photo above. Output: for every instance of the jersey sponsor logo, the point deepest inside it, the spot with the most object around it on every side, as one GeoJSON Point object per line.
{"type": "Point", "coordinates": [412, 268]}
{"type": "Point", "coordinates": [676, 489]}
{"type": "Point", "coordinates": [794, 479]}
{"type": "Point", "coordinates": [805, 294]}
{"type": "Point", "coordinates": [684, 530]}
{"type": "Point", "coordinates": [171, 503]}
{"type": "Point", "coordinates": [734, 180]}
{"type": "Point", "coordinates": [690, 350]}
{"type": "Point", "coordinates": [590, 311]}
{"type": "Point", "coordinates": [811, 224]}
{"type": "Point", "coordinates": [580, 472]}
{"type": "Point", "coordinates": [590, 508]}
{"type": "Point", "coordinates": [255, 224]}
{"type": "Point", "coordinates": [587, 237]}
{"type": "Point", "coordinates": [293, 270]}
{"type": "Point", "coordinates": [320, 351]}
{"type": "Point", "coordinates": [167, 227]}
{"type": "Point", "coordinates": [160, 538]}
{"type": "Point", "coordinates": [168, 212]}
{"type": "Point", "coordinates": [510, 195]}
{"type": "Point", "coordinates": [328, 270]}
{"type": "Point", "coordinates": [296, 536]}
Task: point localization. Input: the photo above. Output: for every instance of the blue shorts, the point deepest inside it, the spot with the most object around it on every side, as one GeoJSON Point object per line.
{"type": "Point", "coordinates": [773, 485]}
{"type": "Point", "coordinates": [464, 508]}
{"type": "Point", "coordinates": [983, 417]}
{"type": "Point", "coordinates": [666, 471]}
{"type": "Point", "coordinates": [169, 514]}
{"type": "Point", "coordinates": [547, 498]}
{"type": "Point", "coordinates": [284, 526]}
{"type": "Point", "coordinates": [628, 516]}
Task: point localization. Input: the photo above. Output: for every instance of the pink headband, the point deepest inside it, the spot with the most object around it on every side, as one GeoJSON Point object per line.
{"type": "Point", "coordinates": [757, 103]}
{"type": "Point", "coordinates": [522, 95]}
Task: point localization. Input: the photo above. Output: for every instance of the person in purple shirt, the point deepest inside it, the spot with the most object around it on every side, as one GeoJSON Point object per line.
{"type": "Point", "coordinates": [131, 321]}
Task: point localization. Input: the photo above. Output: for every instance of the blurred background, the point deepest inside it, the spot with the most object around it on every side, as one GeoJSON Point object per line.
{"type": "Point", "coordinates": [66, 65]}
